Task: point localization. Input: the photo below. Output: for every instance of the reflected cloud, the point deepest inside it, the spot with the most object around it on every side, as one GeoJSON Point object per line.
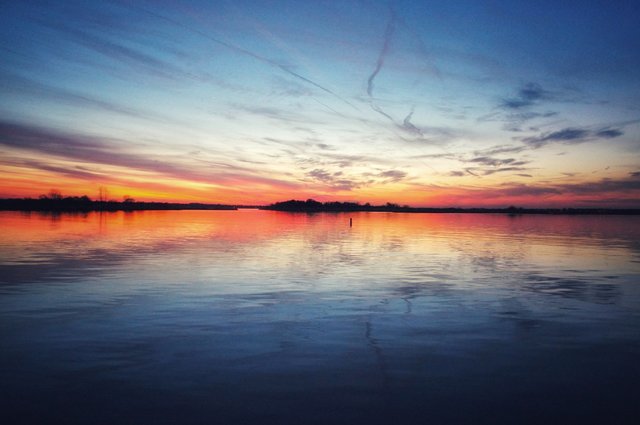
{"type": "Point", "coordinates": [585, 290]}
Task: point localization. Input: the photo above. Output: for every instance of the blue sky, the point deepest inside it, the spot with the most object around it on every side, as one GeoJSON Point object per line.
{"type": "Point", "coordinates": [426, 103]}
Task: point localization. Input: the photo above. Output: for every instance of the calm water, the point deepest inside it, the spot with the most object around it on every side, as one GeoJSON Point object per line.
{"type": "Point", "coordinates": [224, 317]}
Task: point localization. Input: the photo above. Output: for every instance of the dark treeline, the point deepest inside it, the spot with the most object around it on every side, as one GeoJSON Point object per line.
{"type": "Point", "coordinates": [84, 203]}
{"type": "Point", "coordinates": [311, 205]}
{"type": "Point", "coordinates": [56, 202]}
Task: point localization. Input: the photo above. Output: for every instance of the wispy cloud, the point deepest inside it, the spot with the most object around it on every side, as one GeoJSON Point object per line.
{"type": "Point", "coordinates": [75, 171]}
{"type": "Point", "coordinates": [479, 172]}
{"type": "Point", "coordinates": [515, 121]}
{"type": "Point", "coordinates": [495, 162]}
{"type": "Point", "coordinates": [273, 113]}
{"type": "Point", "coordinates": [528, 95]}
{"type": "Point", "coordinates": [500, 149]}
{"type": "Point", "coordinates": [340, 181]}
{"type": "Point", "coordinates": [29, 87]}
{"type": "Point", "coordinates": [607, 188]}
{"type": "Point", "coordinates": [488, 172]}
{"type": "Point", "coordinates": [393, 175]}
{"type": "Point", "coordinates": [484, 162]}
{"type": "Point", "coordinates": [142, 61]}
{"type": "Point", "coordinates": [515, 111]}
{"type": "Point", "coordinates": [382, 56]}
{"type": "Point", "coordinates": [523, 189]}
{"type": "Point", "coordinates": [388, 33]}
{"type": "Point", "coordinates": [333, 180]}
{"type": "Point", "coordinates": [353, 159]}
{"type": "Point", "coordinates": [94, 150]}
{"type": "Point", "coordinates": [571, 136]}
{"type": "Point", "coordinates": [407, 125]}
{"type": "Point", "coordinates": [603, 186]}
{"type": "Point", "coordinates": [245, 52]}
{"type": "Point", "coordinates": [609, 133]}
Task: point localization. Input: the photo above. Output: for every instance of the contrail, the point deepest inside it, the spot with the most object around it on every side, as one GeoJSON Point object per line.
{"type": "Point", "coordinates": [408, 125]}
{"type": "Point", "coordinates": [328, 107]}
{"type": "Point", "coordinates": [388, 33]}
{"type": "Point", "coordinates": [381, 112]}
{"type": "Point", "coordinates": [242, 51]}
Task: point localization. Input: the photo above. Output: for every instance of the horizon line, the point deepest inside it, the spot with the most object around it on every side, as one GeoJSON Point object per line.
{"type": "Point", "coordinates": [356, 206]}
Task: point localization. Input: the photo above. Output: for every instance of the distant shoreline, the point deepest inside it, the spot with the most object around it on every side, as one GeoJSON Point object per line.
{"type": "Point", "coordinates": [507, 211]}
{"type": "Point", "coordinates": [84, 204]}
{"type": "Point", "coordinates": [312, 206]}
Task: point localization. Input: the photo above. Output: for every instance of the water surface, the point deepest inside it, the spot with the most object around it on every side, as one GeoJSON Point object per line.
{"type": "Point", "coordinates": [268, 317]}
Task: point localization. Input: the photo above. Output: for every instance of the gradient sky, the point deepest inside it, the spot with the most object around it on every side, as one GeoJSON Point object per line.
{"type": "Point", "coordinates": [424, 103]}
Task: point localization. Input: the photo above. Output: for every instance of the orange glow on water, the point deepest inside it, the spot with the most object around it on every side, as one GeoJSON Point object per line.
{"type": "Point", "coordinates": [288, 234]}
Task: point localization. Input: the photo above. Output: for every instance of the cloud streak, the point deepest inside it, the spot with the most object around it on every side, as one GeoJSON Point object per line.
{"type": "Point", "coordinates": [76, 172]}
{"type": "Point", "coordinates": [26, 86]}
{"type": "Point", "coordinates": [571, 136]}
{"type": "Point", "coordinates": [606, 188]}
{"type": "Point", "coordinates": [393, 175]}
{"type": "Point", "coordinates": [528, 95]}
{"type": "Point", "coordinates": [92, 150]}
{"type": "Point", "coordinates": [335, 180]}
{"type": "Point", "coordinates": [339, 181]}
{"type": "Point", "coordinates": [388, 33]}
{"type": "Point", "coordinates": [408, 126]}
{"type": "Point", "coordinates": [495, 162]}
{"type": "Point", "coordinates": [245, 52]}
{"type": "Point", "coordinates": [149, 64]}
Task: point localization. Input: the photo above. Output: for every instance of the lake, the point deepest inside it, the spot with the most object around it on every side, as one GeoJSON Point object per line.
{"type": "Point", "coordinates": [260, 317]}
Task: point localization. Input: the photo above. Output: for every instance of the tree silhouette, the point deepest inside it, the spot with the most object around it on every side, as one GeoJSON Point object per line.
{"type": "Point", "coordinates": [103, 194]}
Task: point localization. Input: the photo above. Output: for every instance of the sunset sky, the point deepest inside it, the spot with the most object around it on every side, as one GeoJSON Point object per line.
{"type": "Point", "coordinates": [424, 103]}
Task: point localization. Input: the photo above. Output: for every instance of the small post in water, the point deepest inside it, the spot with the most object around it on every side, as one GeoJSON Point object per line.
{"type": "Point", "coordinates": [350, 222]}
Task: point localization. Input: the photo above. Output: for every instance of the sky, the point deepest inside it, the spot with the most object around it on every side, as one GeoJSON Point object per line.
{"type": "Point", "coordinates": [456, 103]}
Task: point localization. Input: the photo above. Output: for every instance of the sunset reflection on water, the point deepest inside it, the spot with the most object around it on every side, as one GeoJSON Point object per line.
{"type": "Point", "coordinates": [279, 317]}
